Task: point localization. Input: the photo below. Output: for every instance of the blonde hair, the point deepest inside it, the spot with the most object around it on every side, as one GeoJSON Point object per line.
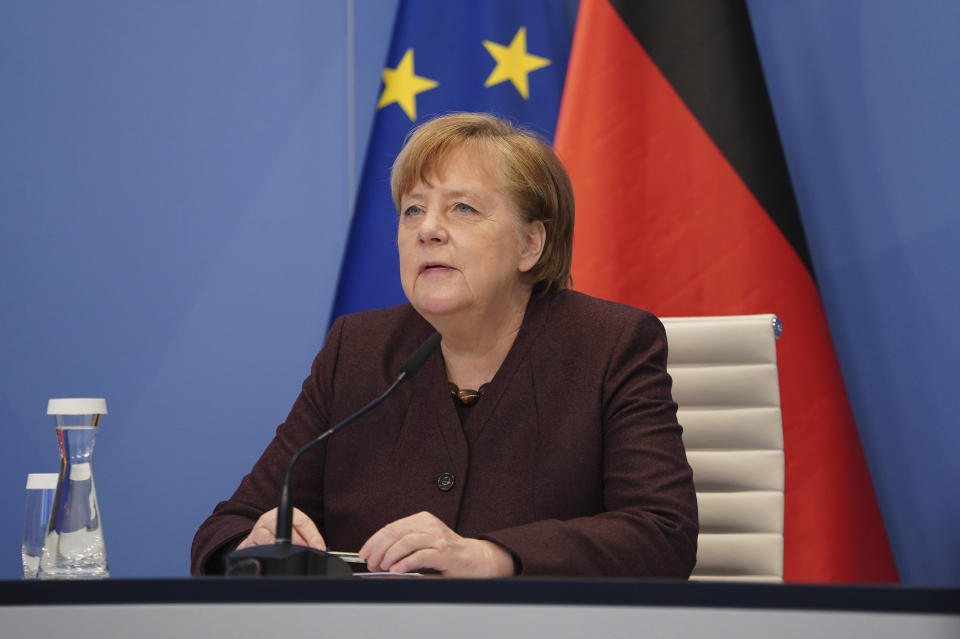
{"type": "Point", "coordinates": [533, 177]}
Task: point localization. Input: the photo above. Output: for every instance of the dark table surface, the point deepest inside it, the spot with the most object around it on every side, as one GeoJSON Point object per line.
{"type": "Point", "coordinates": [616, 592]}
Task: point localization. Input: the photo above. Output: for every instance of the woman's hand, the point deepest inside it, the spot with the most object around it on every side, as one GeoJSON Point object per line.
{"type": "Point", "coordinates": [304, 532]}
{"type": "Point", "coordinates": [423, 541]}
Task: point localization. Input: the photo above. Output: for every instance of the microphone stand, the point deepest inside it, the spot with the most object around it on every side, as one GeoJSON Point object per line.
{"type": "Point", "coordinates": [285, 559]}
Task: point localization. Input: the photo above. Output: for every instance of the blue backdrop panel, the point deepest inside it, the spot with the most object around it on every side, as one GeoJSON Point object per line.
{"type": "Point", "coordinates": [174, 199]}
{"type": "Point", "coordinates": [866, 97]}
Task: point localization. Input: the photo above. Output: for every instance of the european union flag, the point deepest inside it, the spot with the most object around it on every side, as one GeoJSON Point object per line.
{"type": "Point", "coordinates": [499, 56]}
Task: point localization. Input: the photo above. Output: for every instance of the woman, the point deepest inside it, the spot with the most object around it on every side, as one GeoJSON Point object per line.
{"type": "Point", "coordinates": [565, 459]}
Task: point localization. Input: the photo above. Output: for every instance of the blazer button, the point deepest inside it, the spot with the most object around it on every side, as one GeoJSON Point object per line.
{"type": "Point", "coordinates": [445, 482]}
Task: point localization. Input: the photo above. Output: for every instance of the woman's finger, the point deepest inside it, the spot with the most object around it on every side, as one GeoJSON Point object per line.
{"type": "Point", "coordinates": [425, 529]}
{"type": "Point", "coordinates": [422, 558]}
{"type": "Point", "coordinates": [377, 545]}
{"type": "Point", "coordinates": [263, 531]}
{"type": "Point", "coordinates": [407, 545]}
{"type": "Point", "coordinates": [305, 531]}
{"type": "Point", "coordinates": [373, 549]}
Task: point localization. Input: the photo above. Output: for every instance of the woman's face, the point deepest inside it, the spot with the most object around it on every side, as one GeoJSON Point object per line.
{"type": "Point", "coordinates": [462, 245]}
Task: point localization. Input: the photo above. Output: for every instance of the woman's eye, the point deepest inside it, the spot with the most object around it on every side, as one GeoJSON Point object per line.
{"type": "Point", "coordinates": [411, 210]}
{"type": "Point", "coordinates": [465, 208]}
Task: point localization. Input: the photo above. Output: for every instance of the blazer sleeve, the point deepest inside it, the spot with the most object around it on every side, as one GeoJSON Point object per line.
{"type": "Point", "coordinates": [232, 520]}
{"type": "Point", "coordinates": [648, 527]}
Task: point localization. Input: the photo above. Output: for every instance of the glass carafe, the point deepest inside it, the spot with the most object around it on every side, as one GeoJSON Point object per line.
{"type": "Point", "coordinates": [73, 547]}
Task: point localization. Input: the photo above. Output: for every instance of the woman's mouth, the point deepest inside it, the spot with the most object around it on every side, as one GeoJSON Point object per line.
{"type": "Point", "coordinates": [434, 267]}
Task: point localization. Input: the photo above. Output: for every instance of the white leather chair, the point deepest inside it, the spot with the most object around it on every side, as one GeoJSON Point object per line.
{"type": "Point", "coordinates": [725, 383]}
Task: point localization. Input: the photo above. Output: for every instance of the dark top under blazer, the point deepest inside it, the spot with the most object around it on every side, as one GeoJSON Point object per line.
{"type": "Point", "coordinates": [572, 460]}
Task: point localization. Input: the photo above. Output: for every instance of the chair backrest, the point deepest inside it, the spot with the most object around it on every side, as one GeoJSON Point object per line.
{"type": "Point", "coordinates": [725, 383]}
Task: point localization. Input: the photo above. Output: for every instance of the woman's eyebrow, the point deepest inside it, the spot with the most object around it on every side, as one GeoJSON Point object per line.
{"type": "Point", "coordinates": [451, 193]}
{"type": "Point", "coordinates": [458, 192]}
{"type": "Point", "coordinates": [412, 193]}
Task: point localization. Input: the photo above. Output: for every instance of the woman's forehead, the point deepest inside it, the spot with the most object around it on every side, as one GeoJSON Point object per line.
{"type": "Point", "coordinates": [467, 166]}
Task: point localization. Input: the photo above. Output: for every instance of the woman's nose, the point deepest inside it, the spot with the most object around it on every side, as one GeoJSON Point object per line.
{"type": "Point", "coordinates": [432, 229]}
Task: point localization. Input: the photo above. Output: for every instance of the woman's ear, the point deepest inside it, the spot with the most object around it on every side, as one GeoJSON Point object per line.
{"type": "Point", "coordinates": [532, 242]}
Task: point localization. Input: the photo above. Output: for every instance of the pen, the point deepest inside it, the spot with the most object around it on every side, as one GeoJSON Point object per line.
{"type": "Point", "coordinates": [349, 557]}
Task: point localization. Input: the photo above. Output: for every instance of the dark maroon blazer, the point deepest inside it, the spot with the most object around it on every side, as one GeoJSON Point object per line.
{"type": "Point", "coordinates": [572, 460]}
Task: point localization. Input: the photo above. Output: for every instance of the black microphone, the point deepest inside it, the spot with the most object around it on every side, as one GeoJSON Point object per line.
{"type": "Point", "coordinates": [283, 558]}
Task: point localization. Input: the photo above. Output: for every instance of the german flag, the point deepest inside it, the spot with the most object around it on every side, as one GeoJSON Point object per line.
{"type": "Point", "coordinates": [685, 207]}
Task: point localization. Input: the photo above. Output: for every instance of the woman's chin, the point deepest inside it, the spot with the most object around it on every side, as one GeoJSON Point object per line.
{"type": "Point", "coordinates": [437, 306]}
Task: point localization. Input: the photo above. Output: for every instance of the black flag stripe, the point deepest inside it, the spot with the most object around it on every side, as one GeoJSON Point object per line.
{"type": "Point", "coordinates": [707, 53]}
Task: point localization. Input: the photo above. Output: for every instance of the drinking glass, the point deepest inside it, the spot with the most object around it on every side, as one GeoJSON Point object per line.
{"type": "Point", "coordinates": [41, 488]}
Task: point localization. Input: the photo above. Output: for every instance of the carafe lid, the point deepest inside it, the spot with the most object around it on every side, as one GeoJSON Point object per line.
{"type": "Point", "coordinates": [77, 406]}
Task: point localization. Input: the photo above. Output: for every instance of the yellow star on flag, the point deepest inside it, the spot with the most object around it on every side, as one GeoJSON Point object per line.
{"type": "Point", "coordinates": [401, 85]}
{"type": "Point", "coordinates": [513, 63]}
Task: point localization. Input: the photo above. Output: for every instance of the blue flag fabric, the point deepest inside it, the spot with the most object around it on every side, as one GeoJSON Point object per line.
{"type": "Point", "coordinates": [498, 56]}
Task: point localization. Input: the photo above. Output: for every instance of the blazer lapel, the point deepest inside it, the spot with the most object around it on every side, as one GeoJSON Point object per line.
{"type": "Point", "coordinates": [431, 445]}
{"type": "Point", "coordinates": [507, 376]}
{"type": "Point", "coordinates": [442, 414]}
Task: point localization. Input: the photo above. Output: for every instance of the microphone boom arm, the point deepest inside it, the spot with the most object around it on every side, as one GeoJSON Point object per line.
{"type": "Point", "coordinates": [285, 558]}
{"type": "Point", "coordinates": [284, 530]}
